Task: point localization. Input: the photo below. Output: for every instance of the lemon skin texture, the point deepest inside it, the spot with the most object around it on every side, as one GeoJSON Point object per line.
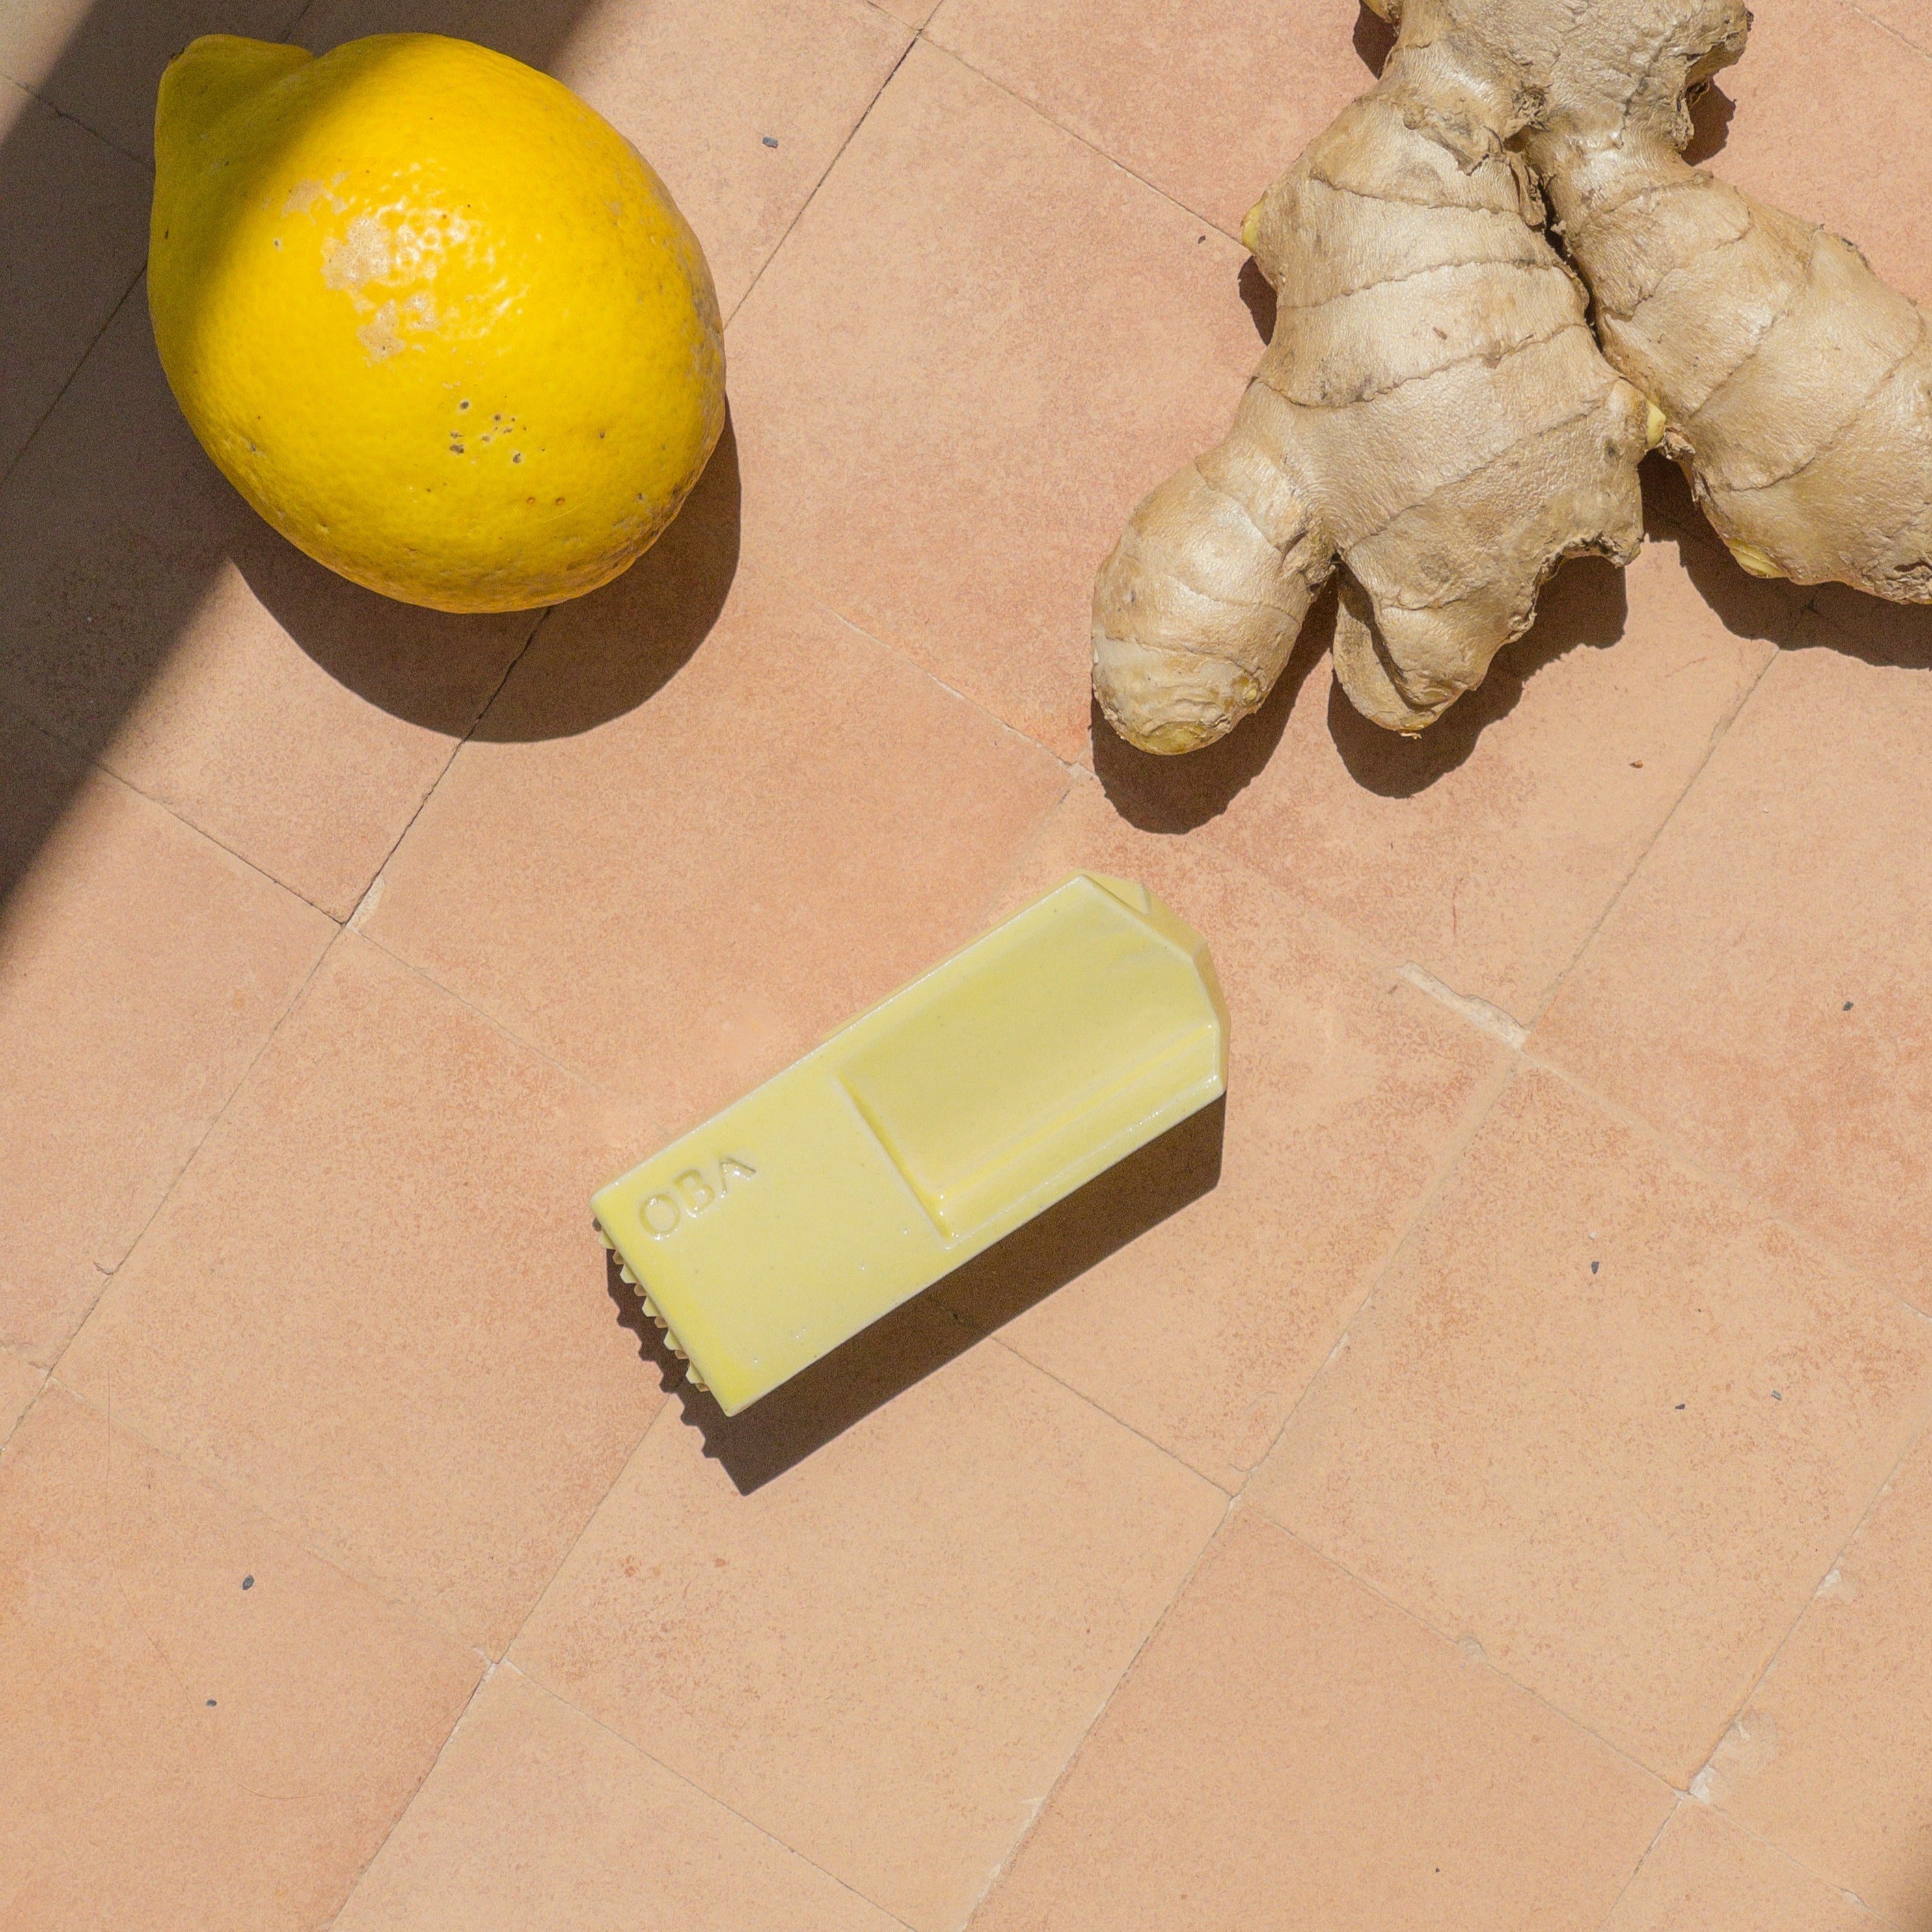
{"type": "Point", "coordinates": [437, 320]}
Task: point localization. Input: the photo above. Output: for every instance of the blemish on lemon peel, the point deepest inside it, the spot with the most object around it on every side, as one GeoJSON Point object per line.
{"type": "Point", "coordinates": [342, 188]}
{"type": "Point", "coordinates": [380, 337]}
{"type": "Point", "coordinates": [362, 255]}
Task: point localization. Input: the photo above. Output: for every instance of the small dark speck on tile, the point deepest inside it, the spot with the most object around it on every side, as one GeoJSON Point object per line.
{"type": "Point", "coordinates": [1778, 1395]}
{"type": "Point", "coordinates": [464, 405]}
{"type": "Point", "coordinates": [1636, 764]}
{"type": "Point", "coordinates": [769, 140]}
{"type": "Point", "coordinates": [247, 1583]}
{"type": "Point", "coordinates": [1680, 1405]}
{"type": "Point", "coordinates": [1847, 1007]}
{"type": "Point", "coordinates": [1198, 239]}
{"type": "Point", "coordinates": [1594, 1266]}
{"type": "Point", "coordinates": [211, 1703]}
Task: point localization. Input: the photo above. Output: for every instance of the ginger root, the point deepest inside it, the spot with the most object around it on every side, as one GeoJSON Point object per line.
{"type": "Point", "coordinates": [1432, 410]}
{"type": "Point", "coordinates": [1796, 386]}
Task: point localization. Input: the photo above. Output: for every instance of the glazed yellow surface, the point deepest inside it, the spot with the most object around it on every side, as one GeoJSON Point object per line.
{"type": "Point", "coordinates": [434, 318]}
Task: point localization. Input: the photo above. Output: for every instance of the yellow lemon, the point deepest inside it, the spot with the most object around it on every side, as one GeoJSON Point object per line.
{"type": "Point", "coordinates": [435, 319]}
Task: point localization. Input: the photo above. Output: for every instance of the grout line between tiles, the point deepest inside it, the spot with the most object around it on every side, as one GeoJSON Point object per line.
{"type": "Point", "coordinates": [1484, 1098]}
{"type": "Point", "coordinates": [1484, 1660]}
{"type": "Point", "coordinates": [668, 1406]}
{"type": "Point", "coordinates": [108, 141]}
{"type": "Point", "coordinates": [167, 1193]}
{"type": "Point", "coordinates": [429, 791]}
{"type": "Point", "coordinates": [1106, 1703]}
{"type": "Point", "coordinates": [80, 363]}
{"type": "Point", "coordinates": [1022, 852]}
{"type": "Point", "coordinates": [1045, 114]}
{"type": "Point", "coordinates": [101, 769]}
{"type": "Point", "coordinates": [1678, 1803]}
{"type": "Point", "coordinates": [1719, 733]}
{"type": "Point", "coordinates": [1886, 27]}
{"type": "Point", "coordinates": [574, 1075]}
{"type": "Point", "coordinates": [1377, 952]}
{"type": "Point", "coordinates": [1166, 1453]}
{"type": "Point", "coordinates": [1758, 1683]}
{"type": "Point", "coordinates": [775, 566]}
{"type": "Point", "coordinates": [239, 1494]}
{"type": "Point", "coordinates": [885, 14]}
{"type": "Point", "coordinates": [403, 1809]}
{"type": "Point", "coordinates": [691, 1784]}
{"type": "Point", "coordinates": [825, 175]}
{"type": "Point", "coordinates": [1881, 1921]}
{"type": "Point", "coordinates": [563, 1561]}
{"type": "Point", "coordinates": [1725, 1182]}
{"type": "Point", "coordinates": [33, 1401]}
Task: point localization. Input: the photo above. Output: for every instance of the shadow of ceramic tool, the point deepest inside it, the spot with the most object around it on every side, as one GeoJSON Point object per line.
{"type": "Point", "coordinates": [819, 1405]}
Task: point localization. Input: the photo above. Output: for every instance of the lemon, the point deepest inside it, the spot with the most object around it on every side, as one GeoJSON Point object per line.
{"type": "Point", "coordinates": [435, 319]}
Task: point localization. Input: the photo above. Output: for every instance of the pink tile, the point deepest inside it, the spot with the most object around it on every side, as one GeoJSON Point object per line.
{"type": "Point", "coordinates": [101, 61]}
{"type": "Point", "coordinates": [1486, 851]}
{"type": "Point", "coordinates": [1831, 1761]}
{"type": "Point", "coordinates": [885, 1652]}
{"type": "Point", "coordinates": [982, 344]}
{"type": "Point", "coordinates": [1290, 1750]}
{"type": "Point", "coordinates": [1758, 993]}
{"type": "Point", "coordinates": [537, 1817]}
{"type": "Point", "coordinates": [374, 1306]}
{"type": "Point", "coordinates": [696, 84]}
{"type": "Point", "coordinates": [59, 181]}
{"type": "Point", "coordinates": [20, 1382]}
{"type": "Point", "coordinates": [778, 832]}
{"type": "Point", "coordinates": [1606, 1422]}
{"type": "Point", "coordinates": [1825, 65]}
{"type": "Point", "coordinates": [1209, 102]}
{"type": "Point", "coordinates": [142, 969]}
{"type": "Point", "coordinates": [1913, 19]}
{"type": "Point", "coordinates": [202, 1724]}
{"type": "Point", "coordinates": [149, 617]}
{"type": "Point", "coordinates": [1705, 1875]}
{"type": "Point", "coordinates": [1256, 1229]}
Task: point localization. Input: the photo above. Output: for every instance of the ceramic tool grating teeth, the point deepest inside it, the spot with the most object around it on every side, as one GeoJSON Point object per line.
{"type": "Point", "coordinates": [651, 1309]}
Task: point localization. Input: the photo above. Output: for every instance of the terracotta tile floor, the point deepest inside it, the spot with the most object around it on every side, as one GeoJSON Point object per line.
{"type": "Point", "coordinates": [1477, 1476]}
